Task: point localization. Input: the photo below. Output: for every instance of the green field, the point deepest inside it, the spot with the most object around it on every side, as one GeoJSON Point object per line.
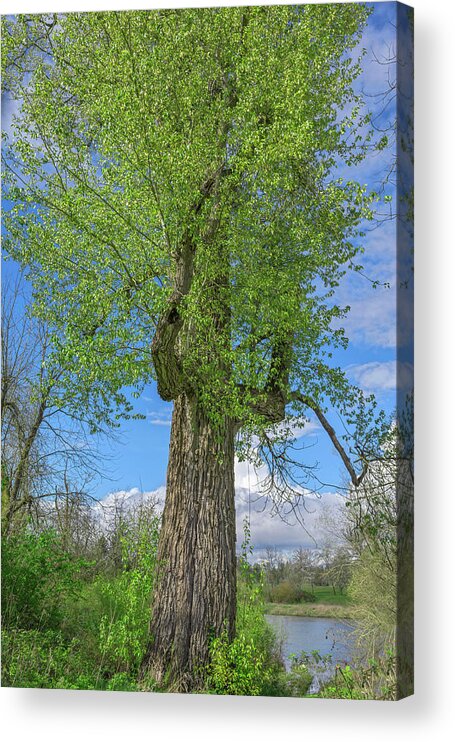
{"type": "Point", "coordinates": [325, 594]}
{"type": "Point", "coordinates": [316, 610]}
{"type": "Point", "coordinates": [327, 604]}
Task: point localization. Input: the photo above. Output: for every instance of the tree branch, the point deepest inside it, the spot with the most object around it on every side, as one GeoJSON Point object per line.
{"type": "Point", "coordinates": [308, 402]}
{"type": "Point", "coordinates": [270, 402]}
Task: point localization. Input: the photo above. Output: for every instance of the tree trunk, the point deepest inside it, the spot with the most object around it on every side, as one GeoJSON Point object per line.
{"type": "Point", "coordinates": [195, 589]}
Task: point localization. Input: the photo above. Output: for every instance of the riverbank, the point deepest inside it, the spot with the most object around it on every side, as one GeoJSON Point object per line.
{"type": "Point", "coordinates": [315, 610]}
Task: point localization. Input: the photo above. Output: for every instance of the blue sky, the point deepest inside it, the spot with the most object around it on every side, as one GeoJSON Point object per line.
{"type": "Point", "coordinates": [138, 461]}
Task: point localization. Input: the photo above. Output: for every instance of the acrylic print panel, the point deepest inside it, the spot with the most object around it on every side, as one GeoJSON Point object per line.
{"type": "Point", "coordinates": [207, 350]}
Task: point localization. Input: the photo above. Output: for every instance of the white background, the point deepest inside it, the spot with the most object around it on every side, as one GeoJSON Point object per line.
{"type": "Point", "coordinates": [79, 715]}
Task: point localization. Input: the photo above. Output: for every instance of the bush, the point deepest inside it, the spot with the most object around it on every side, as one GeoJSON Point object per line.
{"type": "Point", "coordinates": [373, 589]}
{"type": "Point", "coordinates": [42, 659]}
{"type": "Point", "coordinates": [37, 577]}
{"type": "Point", "coordinates": [238, 667]}
{"type": "Point", "coordinates": [122, 681]}
{"type": "Point", "coordinates": [376, 681]}
{"type": "Point", "coordinates": [308, 597]}
{"type": "Point", "coordinates": [248, 665]}
{"type": "Point", "coordinates": [286, 592]}
{"type": "Point", "coordinates": [63, 632]}
{"type": "Point", "coordinates": [123, 631]}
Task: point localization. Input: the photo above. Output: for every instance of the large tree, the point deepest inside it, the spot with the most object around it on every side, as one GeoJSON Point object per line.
{"type": "Point", "coordinates": [178, 203]}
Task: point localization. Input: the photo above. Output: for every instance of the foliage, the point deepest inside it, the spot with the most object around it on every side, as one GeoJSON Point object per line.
{"type": "Point", "coordinates": [373, 589]}
{"type": "Point", "coordinates": [65, 627]}
{"type": "Point", "coordinates": [377, 513]}
{"type": "Point", "coordinates": [37, 577]}
{"type": "Point", "coordinates": [375, 681]}
{"type": "Point", "coordinates": [339, 568]}
{"type": "Point", "coordinates": [43, 659]}
{"type": "Point", "coordinates": [44, 450]}
{"type": "Point", "coordinates": [249, 664]}
{"type": "Point", "coordinates": [123, 631]}
{"type": "Point", "coordinates": [156, 159]}
{"type": "Point", "coordinates": [306, 575]}
{"type": "Point", "coordinates": [209, 130]}
{"type": "Point", "coordinates": [295, 683]}
{"type": "Point", "coordinates": [238, 667]}
{"type": "Point", "coordinates": [286, 592]}
{"type": "Point", "coordinates": [250, 597]}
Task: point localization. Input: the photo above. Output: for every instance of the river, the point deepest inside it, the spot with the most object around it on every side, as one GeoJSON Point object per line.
{"type": "Point", "coordinates": [330, 637]}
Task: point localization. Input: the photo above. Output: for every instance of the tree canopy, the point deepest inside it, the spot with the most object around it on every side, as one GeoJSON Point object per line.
{"type": "Point", "coordinates": [176, 197]}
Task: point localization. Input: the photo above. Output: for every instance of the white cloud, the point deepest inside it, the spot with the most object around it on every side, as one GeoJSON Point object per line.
{"type": "Point", "coordinates": [372, 321]}
{"type": "Point", "coordinates": [265, 529]}
{"type": "Point", "coordinates": [381, 376]}
{"type": "Point", "coordinates": [124, 500]}
{"type": "Point", "coordinates": [374, 376]}
{"type": "Point", "coordinates": [159, 418]}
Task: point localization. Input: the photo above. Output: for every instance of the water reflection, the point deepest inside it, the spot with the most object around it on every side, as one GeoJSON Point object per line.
{"type": "Point", "coordinates": [331, 638]}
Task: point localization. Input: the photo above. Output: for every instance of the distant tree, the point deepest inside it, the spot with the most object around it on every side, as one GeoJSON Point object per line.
{"type": "Point", "coordinates": [339, 568]}
{"type": "Point", "coordinates": [304, 566]}
{"type": "Point", "coordinates": [273, 564]}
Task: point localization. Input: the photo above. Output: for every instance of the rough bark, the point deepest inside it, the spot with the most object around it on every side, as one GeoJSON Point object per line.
{"type": "Point", "coordinates": [195, 591]}
{"type": "Point", "coordinates": [166, 360]}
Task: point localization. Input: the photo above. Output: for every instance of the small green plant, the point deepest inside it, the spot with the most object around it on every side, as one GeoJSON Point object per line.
{"type": "Point", "coordinates": [375, 681]}
{"type": "Point", "coordinates": [123, 629]}
{"type": "Point", "coordinates": [43, 659]}
{"type": "Point", "coordinates": [238, 667]}
{"type": "Point", "coordinates": [249, 664]}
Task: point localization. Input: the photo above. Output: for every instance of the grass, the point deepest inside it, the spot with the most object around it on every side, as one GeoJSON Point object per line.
{"type": "Point", "coordinates": [317, 610]}
{"type": "Point", "coordinates": [325, 594]}
{"type": "Point", "coordinates": [328, 604]}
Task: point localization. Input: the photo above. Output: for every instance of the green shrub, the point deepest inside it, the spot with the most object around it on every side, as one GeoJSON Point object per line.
{"type": "Point", "coordinates": [248, 665]}
{"type": "Point", "coordinates": [238, 667]}
{"type": "Point", "coordinates": [286, 592]}
{"type": "Point", "coordinates": [42, 659]}
{"type": "Point", "coordinates": [373, 589]}
{"type": "Point", "coordinates": [124, 627]}
{"type": "Point", "coordinates": [122, 681]}
{"type": "Point", "coordinates": [37, 578]}
{"type": "Point", "coordinates": [61, 631]}
{"type": "Point", "coordinates": [308, 597]}
{"type": "Point", "coordinates": [375, 681]}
